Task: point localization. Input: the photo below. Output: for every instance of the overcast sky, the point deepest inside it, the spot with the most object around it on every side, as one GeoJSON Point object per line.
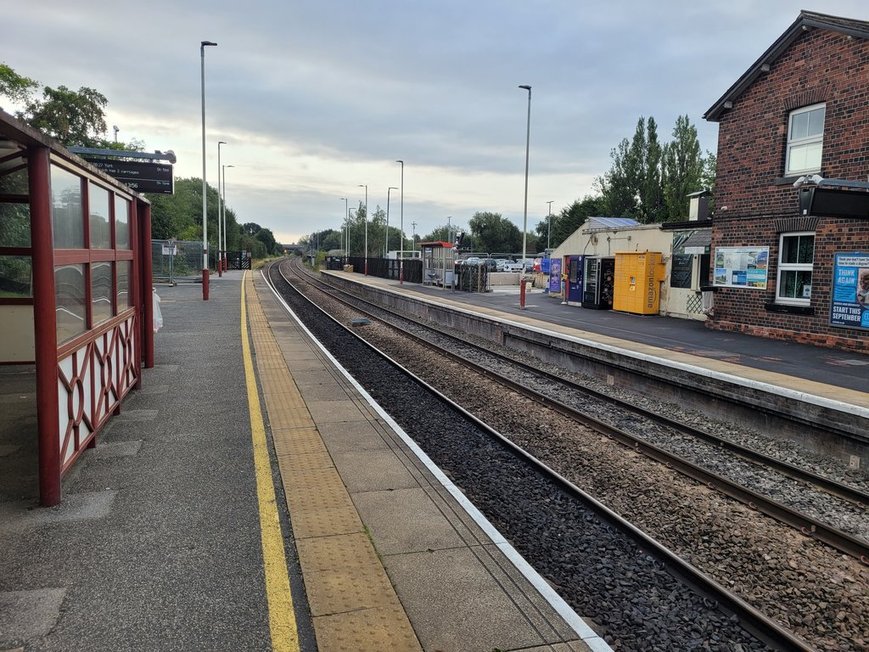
{"type": "Point", "coordinates": [316, 97]}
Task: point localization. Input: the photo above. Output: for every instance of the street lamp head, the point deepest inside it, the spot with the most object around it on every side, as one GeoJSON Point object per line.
{"type": "Point", "coordinates": [207, 43]}
{"type": "Point", "coordinates": [392, 188]}
{"type": "Point", "coordinates": [221, 142]}
{"type": "Point", "coordinates": [399, 161]}
{"type": "Point", "coordinates": [526, 87]}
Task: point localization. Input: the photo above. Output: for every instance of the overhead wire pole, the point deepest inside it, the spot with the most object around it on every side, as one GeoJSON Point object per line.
{"type": "Point", "coordinates": [401, 228]}
{"type": "Point", "coordinates": [202, 46]}
{"type": "Point", "coordinates": [219, 210]}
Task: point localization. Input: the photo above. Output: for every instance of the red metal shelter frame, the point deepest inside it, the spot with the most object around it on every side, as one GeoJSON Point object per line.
{"type": "Point", "coordinates": [90, 340]}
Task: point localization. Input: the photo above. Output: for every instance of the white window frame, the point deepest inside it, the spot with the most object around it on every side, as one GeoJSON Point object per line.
{"type": "Point", "coordinates": [793, 267]}
{"type": "Point", "coordinates": [802, 142]}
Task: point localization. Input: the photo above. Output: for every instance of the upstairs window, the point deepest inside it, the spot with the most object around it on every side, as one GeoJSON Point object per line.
{"type": "Point", "coordinates": [796, 256]}
{"type": "Point", "coordinates": [805, 140]}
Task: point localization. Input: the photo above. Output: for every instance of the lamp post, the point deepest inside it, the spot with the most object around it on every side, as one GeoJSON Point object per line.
{"type": "Point", "coordinates": [525, 212]}
{"type": "Point", "coordinates": [349, 217]}
{"type": "Point", "coordinates": [450, 228]}
{"type": "Point", "coordinates": [549, 224]}
{"type": "Point", "coordinates": [413, 237]}
{"type": "Point", "coordinates": [223, 184]}
{"type": "Point", "coordinates": [202, 46]}
{"type": "Point", "coordinates": [117, 129]}
{"type": "Point", "coordinates": [346, 223]}
{"type": "Point", "coordinates": [401, 228]}
{"type": "Point", "coordinates": [386, 245]}
{"type": "Point", "coordinates": [219, 210]}
{"type": "Point", "coordinates": [365, 264]}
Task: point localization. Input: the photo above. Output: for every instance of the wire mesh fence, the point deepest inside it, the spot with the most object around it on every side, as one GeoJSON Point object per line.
{"type": "Point", "coordinates": [180, 261]}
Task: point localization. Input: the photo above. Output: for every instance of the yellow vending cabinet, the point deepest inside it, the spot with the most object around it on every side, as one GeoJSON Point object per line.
{"type": "Point", "coordinates": [637, 286]}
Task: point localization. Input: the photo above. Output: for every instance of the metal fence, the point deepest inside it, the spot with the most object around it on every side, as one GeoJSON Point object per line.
{"type": "Point", "coordinates": [180, 261]}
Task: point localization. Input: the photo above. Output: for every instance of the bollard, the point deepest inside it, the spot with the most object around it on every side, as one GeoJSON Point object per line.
{"type": "Point", "coordinates": [205, 284]}
{"type": "Point", "coordinates": [522, 293]}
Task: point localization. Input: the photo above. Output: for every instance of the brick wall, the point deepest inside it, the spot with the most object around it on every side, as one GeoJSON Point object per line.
{"type": "Point", "coordinates": [755, 202]}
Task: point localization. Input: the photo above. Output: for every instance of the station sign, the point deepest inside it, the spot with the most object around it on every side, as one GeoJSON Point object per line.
{"type": "Point", "coordinates": [140, 176]}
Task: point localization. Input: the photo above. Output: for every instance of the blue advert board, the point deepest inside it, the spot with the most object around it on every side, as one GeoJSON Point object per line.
{"type": "Point", "coordinates": [849, 305]}
{"type": "Point", "coordinates": [555, 275]}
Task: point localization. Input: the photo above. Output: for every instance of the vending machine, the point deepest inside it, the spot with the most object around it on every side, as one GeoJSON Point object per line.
{"type": "Point", "coordinates": [598, 280]}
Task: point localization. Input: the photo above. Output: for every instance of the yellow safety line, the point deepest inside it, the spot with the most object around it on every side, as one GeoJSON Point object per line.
{"type": "Point", "coordinates": [282, 619]}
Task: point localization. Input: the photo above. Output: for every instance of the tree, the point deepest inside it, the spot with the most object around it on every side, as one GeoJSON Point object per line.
{"type": "Point", "coordinates": [572, 217]}
{"type": "Point", "coordinates": [17, 88]}
{"type": "Point", "coordinates": [683, 169]}
{"type": "Point", "coordinates": [495, 234]}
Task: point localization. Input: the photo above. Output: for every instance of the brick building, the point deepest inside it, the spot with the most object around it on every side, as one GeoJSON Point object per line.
{"type": "Point", "coordinates": [801, 111]}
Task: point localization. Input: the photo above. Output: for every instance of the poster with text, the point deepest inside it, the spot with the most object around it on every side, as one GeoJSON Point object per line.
{"type": "Point", "coordinates": [849, 305]}
{"type": "Point", "coordinates": [741, 267]}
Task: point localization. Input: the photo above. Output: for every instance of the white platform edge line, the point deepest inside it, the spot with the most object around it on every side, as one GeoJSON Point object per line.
{"type": "Point", "coordinates": [583, 630]}
{"type": "Point", "coordinates": [771, 388]}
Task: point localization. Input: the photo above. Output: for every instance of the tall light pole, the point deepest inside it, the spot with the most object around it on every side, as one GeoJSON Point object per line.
{"type": "Point", "coordinates": [202, 46]}
{"type": "Point", "coordinates": [365, 264]}
{"type": "Point", "coordinates": [450, 228]}
{"type": "Point", "coordinates": [527, 148]}
{"type": "Point", "coordinates": [349, 216]}
{"type": "Point", "coordinates": [223, 185]}
{"type": "Point", "coordinates": [219, 210]}
{"type": "Point", "coordinates": [401, 228]}
{"type": "Point", "coordinates": [386, 245]}
{"type": "Point", "coordinates": [346, 223]}
{"type": "Point", "coordinates": [413, 237]}
{"type": "Point", "coordinates": [549, 224]}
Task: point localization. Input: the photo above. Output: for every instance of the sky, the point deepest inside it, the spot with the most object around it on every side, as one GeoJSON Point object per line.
{"type": "Point", "coordinates": [317, 98]}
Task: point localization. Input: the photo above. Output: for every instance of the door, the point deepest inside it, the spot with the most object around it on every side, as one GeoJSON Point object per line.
{"type": "Point", "coordinates": [574, 279]}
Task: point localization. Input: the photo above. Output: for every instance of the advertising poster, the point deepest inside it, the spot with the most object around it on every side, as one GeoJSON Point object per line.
{"type": "Point", "coordinates": [849, 305]}
{"type": "Point", "coordinates": [555, 275]}
{"type": "Point", "coordinates": [741, 267]}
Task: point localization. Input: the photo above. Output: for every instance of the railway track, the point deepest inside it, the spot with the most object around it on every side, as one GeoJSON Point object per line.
{"type": "Point", "coordinates": [539, 385]}
{"type": "Point", "coordinates": [642, 578]}
{"type": "Point", "coordinates": [796, 585]}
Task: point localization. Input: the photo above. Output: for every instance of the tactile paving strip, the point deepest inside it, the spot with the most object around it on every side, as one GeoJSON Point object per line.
{"type": "Point", "coordinates": [353, 604]}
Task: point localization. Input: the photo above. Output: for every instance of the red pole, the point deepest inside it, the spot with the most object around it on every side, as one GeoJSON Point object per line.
{"type": "Point", "coordinates": [205, 284]}
{"type": "Point", "coordinates": [522, 293]}
{"type": "Point", "coordinates": [44, 325]}
{"type": "Point", "coordinates": [147, 284]}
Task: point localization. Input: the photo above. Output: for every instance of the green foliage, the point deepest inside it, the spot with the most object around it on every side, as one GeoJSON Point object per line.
{"type": "Point", "coordinates": [72, 117]}
{"type": "Point", "coordinates": [683, 169]}
{"type": "Point", "coordinates": [17, 88]}
{"type": "Point", "coordinates": [650, 182]}
{"type": "Point", "coordinates": [495, 234]}
{"type": "Point", "coordinates": [572, 217]}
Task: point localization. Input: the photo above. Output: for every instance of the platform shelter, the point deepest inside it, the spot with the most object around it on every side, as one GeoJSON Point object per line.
{"type": "Point", "coordinates": [75, 291]}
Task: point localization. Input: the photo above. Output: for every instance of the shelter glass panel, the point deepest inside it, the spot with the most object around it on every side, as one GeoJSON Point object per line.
{"type": "Point", "coordinates": [14, 183]}
{"type": "Point", "coordinates": [123, 268]}
{"type": "Point", "coordinates": [122, 223]}
{"type": "Point", "coordinates": [66, 209]}
{"type": "Point", "coordinates": [101, 292]}
{"type": "Point", "coordinates": [100, 231]}
{"type": "Point", "coordinates": [14, 225]}
{"type": "Point", "coordinates": [16, 277]}
{"type": "Point", "coordinates": [69, 301]}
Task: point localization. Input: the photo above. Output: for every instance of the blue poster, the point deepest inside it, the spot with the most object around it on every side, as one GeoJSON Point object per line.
{"type": "Point", "coordinates": [555, 276]}
{"type": "Point", "coordinates": [849, 303]}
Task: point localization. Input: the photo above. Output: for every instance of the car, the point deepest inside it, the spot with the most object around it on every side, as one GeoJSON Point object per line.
{"type": "Point", "coordinates": [473, 260]}
{"type": "Point", "coordinates": [513, 267]}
